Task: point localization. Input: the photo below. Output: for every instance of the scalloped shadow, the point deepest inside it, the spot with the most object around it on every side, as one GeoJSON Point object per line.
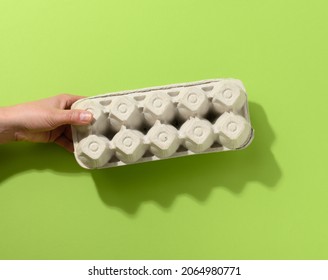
{"type": "Point", "coordinates": [128, 187]}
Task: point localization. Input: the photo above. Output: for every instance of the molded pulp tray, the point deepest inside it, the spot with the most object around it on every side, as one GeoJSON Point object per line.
{"type": "Point", "coordinates": [163, 122]}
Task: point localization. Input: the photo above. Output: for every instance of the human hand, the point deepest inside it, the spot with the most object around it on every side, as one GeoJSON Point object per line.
{"type": "Point", "coordinates": [46, 120]}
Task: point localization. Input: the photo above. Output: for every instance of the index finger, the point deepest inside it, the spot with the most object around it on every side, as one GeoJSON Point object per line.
{"type": "Point", "coordinates": [69, 99]}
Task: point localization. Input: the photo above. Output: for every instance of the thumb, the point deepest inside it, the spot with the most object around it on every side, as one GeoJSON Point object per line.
{"type": "Point", "coordinates": [75, 117]}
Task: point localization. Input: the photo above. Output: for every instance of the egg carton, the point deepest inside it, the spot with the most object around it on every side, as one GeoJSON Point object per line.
{"type": "Point", "coordinates": [162, 122]}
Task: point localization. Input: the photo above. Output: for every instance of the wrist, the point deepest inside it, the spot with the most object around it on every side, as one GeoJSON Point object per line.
{"type": "Point", "coordinates": [8, 127]}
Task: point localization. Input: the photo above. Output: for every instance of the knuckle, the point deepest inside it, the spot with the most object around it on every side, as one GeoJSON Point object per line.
{"type": "Point", "coordinates": [63, 96]}
{"type": "Point", "coordinates": [72, 116]}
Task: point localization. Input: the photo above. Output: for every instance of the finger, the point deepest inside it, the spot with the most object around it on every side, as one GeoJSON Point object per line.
{"type": "Point", "coordinates": [74, 117]}
{"type": "Point", "coordinates": [65, 143]}
{"type": "Point", "coordinates": [68, 132]}
{"type": "Point", "coordinates": [69, 99]}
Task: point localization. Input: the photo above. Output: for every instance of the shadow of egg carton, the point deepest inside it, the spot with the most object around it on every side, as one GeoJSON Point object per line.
{"type": "Point", "coordinates": [163, 122]}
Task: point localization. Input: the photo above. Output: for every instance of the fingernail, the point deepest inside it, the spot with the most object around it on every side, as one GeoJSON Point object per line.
{"type": "Point", "coordinates": [85, 117]}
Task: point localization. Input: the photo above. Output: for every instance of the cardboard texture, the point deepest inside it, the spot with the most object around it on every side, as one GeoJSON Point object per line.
{"type": "Point", "coordinates": [163, 122]}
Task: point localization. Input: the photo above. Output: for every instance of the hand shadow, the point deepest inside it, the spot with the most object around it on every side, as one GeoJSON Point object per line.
{"type": "Point", "coordinates": [27, 157]}
{"type": "Point", "coordinates": [127, 188]}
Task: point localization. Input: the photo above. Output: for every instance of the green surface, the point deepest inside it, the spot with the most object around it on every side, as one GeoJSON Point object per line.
{"type": "Point", "coordinates": [266, 202]}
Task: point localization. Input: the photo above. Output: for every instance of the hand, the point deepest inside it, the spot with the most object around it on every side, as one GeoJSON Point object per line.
{"type": "Point", "coordinates": [46, 120]}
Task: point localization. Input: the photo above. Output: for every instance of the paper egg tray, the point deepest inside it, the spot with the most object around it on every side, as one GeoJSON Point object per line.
{"type": "Point", "coordinates": [163, 122]}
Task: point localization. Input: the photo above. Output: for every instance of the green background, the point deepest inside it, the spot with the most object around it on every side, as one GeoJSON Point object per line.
{"type": "Point", "coordinates": [266, 202]}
